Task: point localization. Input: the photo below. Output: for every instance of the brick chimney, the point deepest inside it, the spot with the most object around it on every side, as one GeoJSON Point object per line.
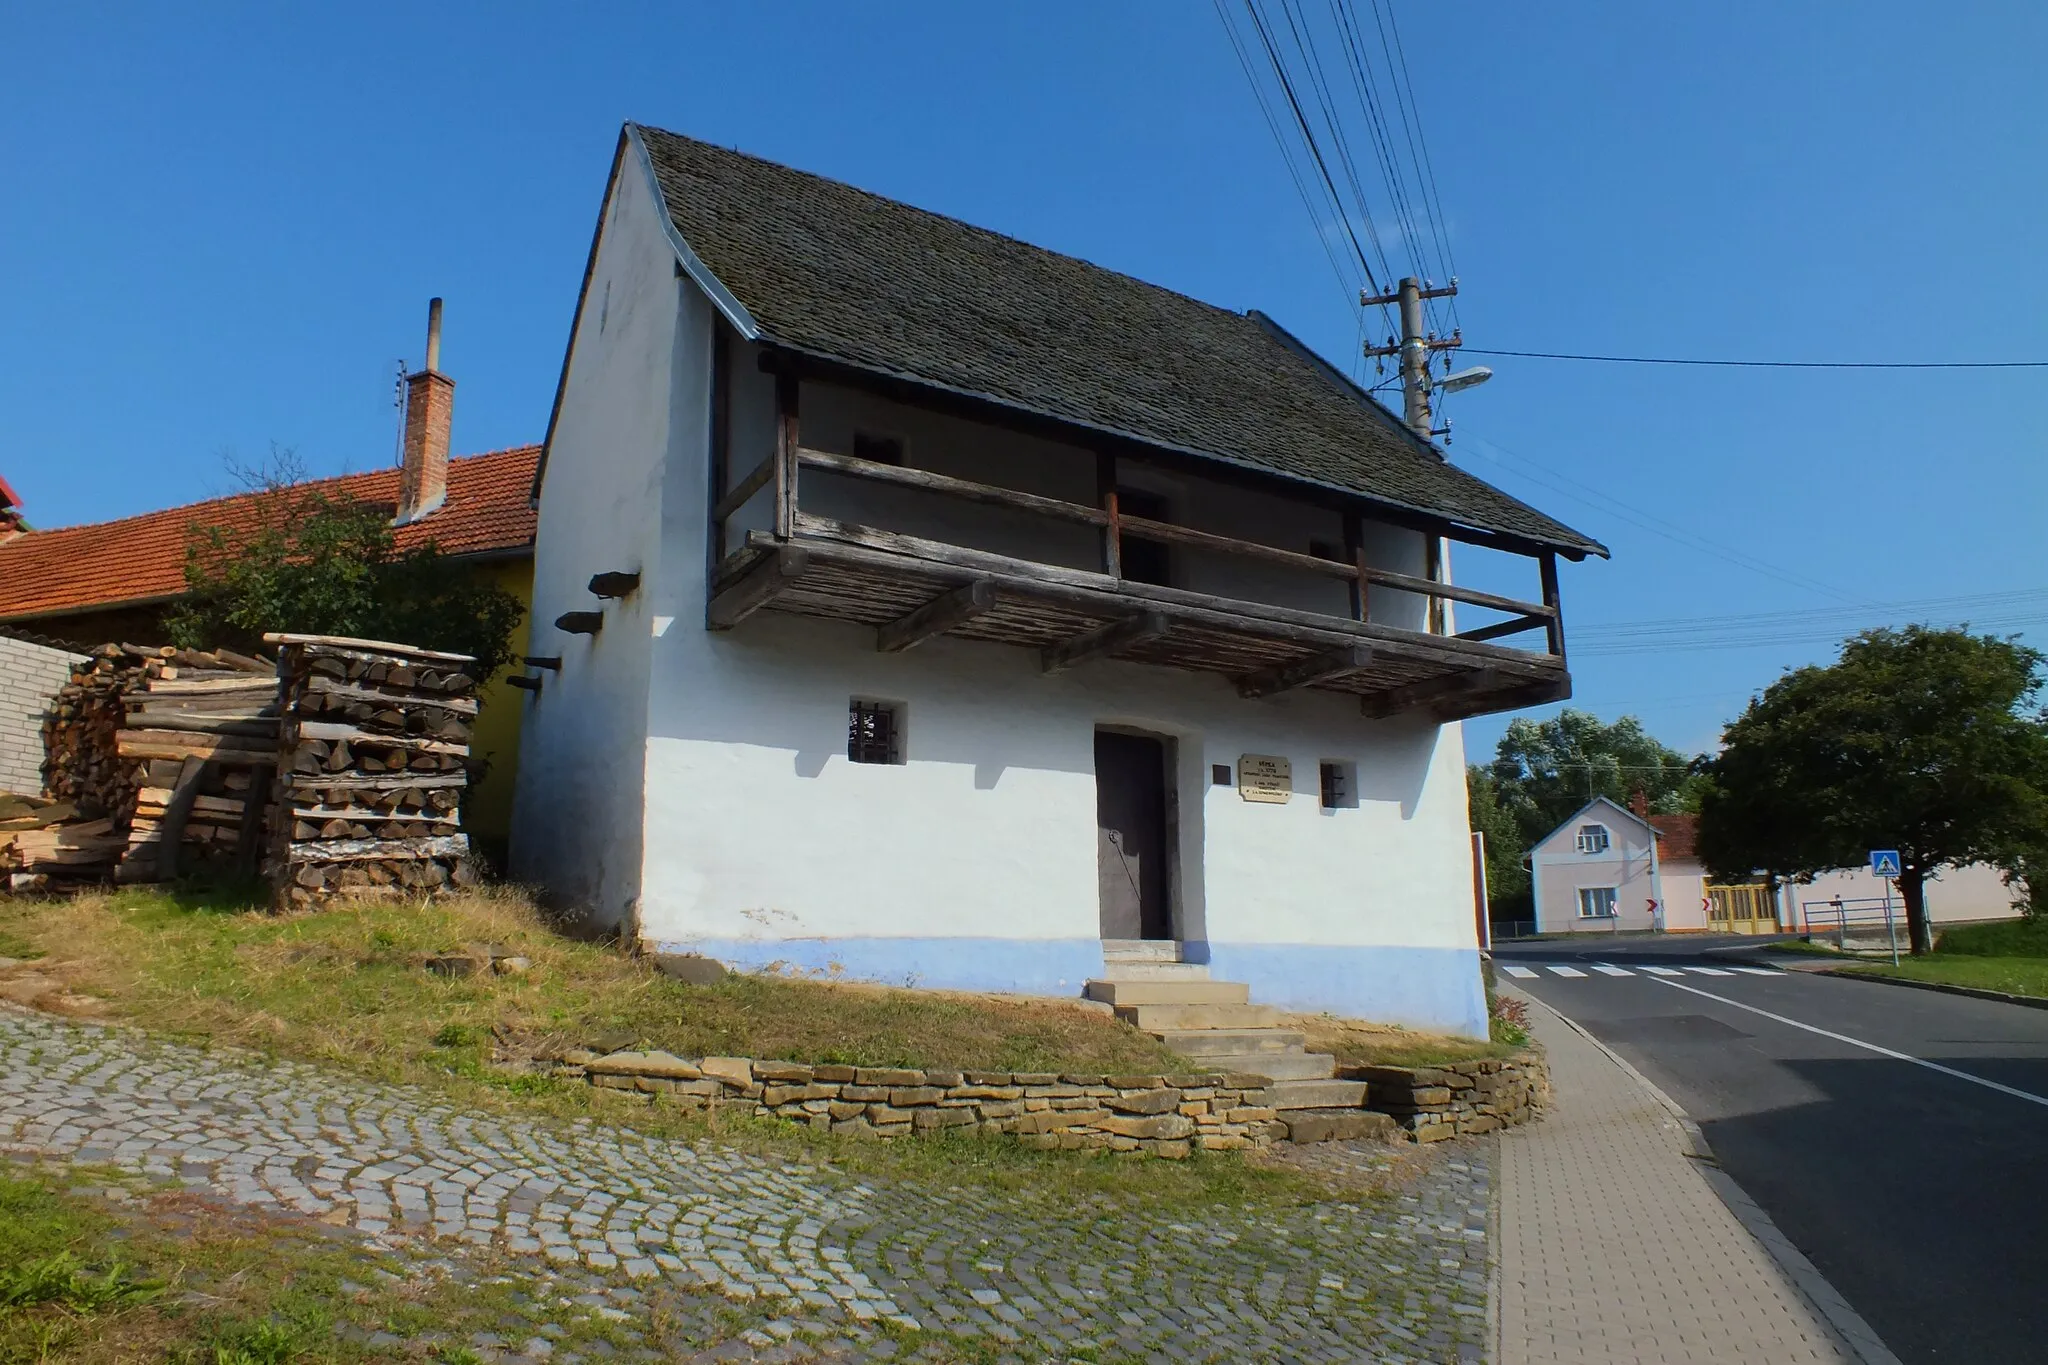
{"type": "Point", "coordinates": [429, 410]}
{"type": "Point", "coordinates": [11, 522]}
{"type": "Point", "coordinates": [1639, 802]}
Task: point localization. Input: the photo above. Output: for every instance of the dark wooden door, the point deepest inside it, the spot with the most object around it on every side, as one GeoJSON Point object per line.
{"type": "Point", "coordinates": [1131, 848]}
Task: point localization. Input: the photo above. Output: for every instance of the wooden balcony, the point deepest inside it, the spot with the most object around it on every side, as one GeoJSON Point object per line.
{"type": "Point", "coordinates": [912, 589]}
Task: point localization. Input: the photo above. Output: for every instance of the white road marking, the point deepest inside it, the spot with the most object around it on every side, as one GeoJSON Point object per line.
{"type": "Point", "coordinates": [1707, 971]}
{"type": "Point", "coordinates": [1757, 971]}
{"type": "Point", "coordinates": [1663, 971]}
{"type": "Point", "coordinates": [1567, 971]}
{"type": "Point", "coordinates": [1605, 970]}
{"type": "Point", "coordinates": [1522, 972]}
{"type": "Point", "coordinates": [1881, 1051]}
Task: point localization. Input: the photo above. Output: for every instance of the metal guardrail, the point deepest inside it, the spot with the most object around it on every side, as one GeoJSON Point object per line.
{"type": "Point", "coordinates": [1840, 914]}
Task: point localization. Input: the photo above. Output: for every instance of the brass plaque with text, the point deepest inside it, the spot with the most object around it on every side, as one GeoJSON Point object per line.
{"type": "Point", "coordinates": [1262, 777]}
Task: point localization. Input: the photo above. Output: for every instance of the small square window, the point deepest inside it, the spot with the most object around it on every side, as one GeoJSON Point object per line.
{"type": "Point", "coordinates": [1339, 785]}
{"type": "Point", "coordinates": [1219, 775]}
{"type": "Point", "coordinates": [880, 449]}
{"type": "Point", "coordinates": [1593, 839]}
{"type": "Point", "coordinates": [874, 732]}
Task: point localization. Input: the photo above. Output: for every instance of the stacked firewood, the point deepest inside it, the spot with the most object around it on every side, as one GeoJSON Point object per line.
{"type": "Point", "coordinates": [201, 736]}
{"type": "Point", "coordinates": [43, 843]}
{"type": "Point", "coordinates": [373, 761]}
{"type": "Point", "coordinates": [81, 764]}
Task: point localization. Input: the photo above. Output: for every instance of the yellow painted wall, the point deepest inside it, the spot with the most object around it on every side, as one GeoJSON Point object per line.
{"type": "Point", "coordinates": [487, 815]}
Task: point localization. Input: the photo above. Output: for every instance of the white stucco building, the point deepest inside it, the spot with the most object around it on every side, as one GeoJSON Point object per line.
{"type": "Point", "coordinates": [995, 613]}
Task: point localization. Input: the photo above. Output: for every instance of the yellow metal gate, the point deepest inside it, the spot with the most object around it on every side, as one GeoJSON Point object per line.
{"type": "Point", "coordinates": [1743, 909]}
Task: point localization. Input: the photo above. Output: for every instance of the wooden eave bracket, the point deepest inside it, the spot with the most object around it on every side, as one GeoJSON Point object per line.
{"type": "Point", "coordinates": [614, 585]}
{"type": "Point", "coordinates": [580, 622]}
{"type": "Point", "coordinates": [549, 661]}
{"type": "Point", "coordinates": [1334, 663]}
{"type": "Point", "coordinates": [1430, 692]}
{"type": "Point", "coordinates": [1104, 640]}
{"type": "Point", "coordinates": [755, 588]}
{"type": "Point", "coordinates": [525, 684]}
{"type": "Point", "coordinates": [937, 616]}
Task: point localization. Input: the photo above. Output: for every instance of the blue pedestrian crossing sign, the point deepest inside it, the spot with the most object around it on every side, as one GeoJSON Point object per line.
{"type": "Point", "coordinates": [1884, 862]}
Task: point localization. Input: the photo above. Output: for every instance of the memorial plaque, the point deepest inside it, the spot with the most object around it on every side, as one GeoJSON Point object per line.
{"type": "Point", "coordinates": [1262, 777]}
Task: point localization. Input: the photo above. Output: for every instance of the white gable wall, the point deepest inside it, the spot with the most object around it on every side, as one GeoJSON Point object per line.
{"type": "Point", "coordinates": [623, 428]}
{"type": "Point", "coordinates": [1560, 871]}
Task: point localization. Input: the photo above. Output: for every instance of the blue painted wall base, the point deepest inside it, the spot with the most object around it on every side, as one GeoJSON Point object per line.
{"type": "Point", "coordinates": [1427, 988]}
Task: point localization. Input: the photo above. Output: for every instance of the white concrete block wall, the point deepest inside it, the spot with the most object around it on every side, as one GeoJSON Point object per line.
{"type": "Point", "coordinates": [30, 675]}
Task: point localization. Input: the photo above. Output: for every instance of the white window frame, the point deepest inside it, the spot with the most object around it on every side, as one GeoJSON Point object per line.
{"type": "Point", "coordinates": [1587, 837]}
{"type": "Point", "coordinates": [1588, 895]}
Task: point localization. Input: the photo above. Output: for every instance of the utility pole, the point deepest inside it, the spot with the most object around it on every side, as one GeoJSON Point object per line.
{"type": "Point", "coordinates": [1413, 347]}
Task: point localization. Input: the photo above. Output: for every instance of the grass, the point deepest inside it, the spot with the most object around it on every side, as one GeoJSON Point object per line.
{"type": "Point", "coordinates": [1360, 1044]}
{"type": "Point", "coordinates": [345, 988]}
{"type": "Point", "coordinates": [2011, 975]}
{"type": "Point", "coordinates": [2008, 938]}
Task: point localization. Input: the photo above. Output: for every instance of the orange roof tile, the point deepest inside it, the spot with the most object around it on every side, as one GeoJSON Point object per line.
{"type": "Point", "coordinates": [142, 559]}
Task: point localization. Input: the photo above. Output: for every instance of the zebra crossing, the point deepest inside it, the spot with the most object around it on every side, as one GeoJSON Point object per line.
{"type": "Point", "coordinates": [1535, 970]}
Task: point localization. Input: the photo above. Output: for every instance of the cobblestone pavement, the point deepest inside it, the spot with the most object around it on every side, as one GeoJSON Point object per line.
{"type": "Point", "coordinates": [822, 1264]}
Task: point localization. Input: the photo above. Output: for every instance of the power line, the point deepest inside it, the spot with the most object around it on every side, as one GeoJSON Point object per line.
{"type": "Point", "coordinates": [1778, 364]}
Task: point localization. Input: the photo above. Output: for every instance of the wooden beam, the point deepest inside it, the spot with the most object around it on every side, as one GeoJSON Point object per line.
{"type": "Point", "coordinates": [553, 661]}
{"type": "Point", "coordinates": [1498, 629]}
{"type": "Point", "coordinates": [1512, 698]}
{"type": "Point", "coordinates": [171, 829]}
{"type": "Point", "coordinates": [524, 683]}
{"type": "Point", "coordinates": [756, 588]}
{"type": "Point", "coordinates": [1354, 555]}
{"type": "Point", "coordinates": [1146, 529]}
{"type": "Point", "coordinates": [743, 492]}
{"type": "Point", "coordinates": [965, 489]}
{"type": "Point", "coordinates": [580, 622]}
{"type": "Point", "coordinates": [1428, 693]}
{"type": "Point", "coordinates": [614, 584]}
{"type": "Point", "coordinates": [937, 616]}
{"type": "Point", "coordinates": [1104, 640]}
{"type": "Point", "coordinates": [1112, 532]}
{"type": "Point", "coordinates": [785, 453]}
{"type": "Point", "coordinates": [1552, 600]}
{"type": "Point", "coordinates": [719, 466]}
{"type": "Point", "coordinates": [1300, 673]}
{"type": "Point", "coordinates": [1430, 588]}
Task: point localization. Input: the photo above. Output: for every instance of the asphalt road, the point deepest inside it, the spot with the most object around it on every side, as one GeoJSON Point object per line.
{"type": "Point", "coordinates": [1921, 1195]}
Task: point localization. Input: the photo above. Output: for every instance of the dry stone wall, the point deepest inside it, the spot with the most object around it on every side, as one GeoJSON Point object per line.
{"type": "Point", "coordinates": [1164, 1116]}
{"type": "Point", "coordinates": [1461, 1098]}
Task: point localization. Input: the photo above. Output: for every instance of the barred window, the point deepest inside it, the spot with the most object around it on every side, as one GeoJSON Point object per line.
{"type": "Point", "coordinates": [1339, 786]}
{"type": "Point", "coordinates": [874, 732]}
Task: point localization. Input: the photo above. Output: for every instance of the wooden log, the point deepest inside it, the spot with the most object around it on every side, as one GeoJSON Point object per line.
{"type": "Point", "coordinates": [336, 733]}
{"type": "Point", "coordinates": [1104, 641]}
{"type": "Point", "coordinates": [756, 588]}
{"type": "Point", "coordinates": [407, 781]}
{"type": "Point", "coordinates": [965, 489]}
{"type": "Point", "coordinates": [330, 687]}
{"type": "Point", "coordinates": [580, 622]}
{"type": "Point", "coordinates": [1430, 588]}
{"type": "Point", "coordinates": [350, 645]}
{"type": "Point", "coordinates": [154, 743]}
{"type": "Point", "coordinates": [1302, 672]}
{"type": "Point", "coordinates": [524, 684]}
{"type": "Point", "coordinates": [937, 616]}
{"type": "Point", "coordinates": [209, 687]}
{"type": "Point", "coordinates": [362, 850]}
{"type": "Point", "coordinates": [204, 723]}
{"type": "Point", "coordinates": [1428, 692]}
{"type": "Point", "coordinates": [173, 831]}
{"type": "Point", "coordinates": [547, 661]}
{"type": "Point", "coordinates": [617, 583]}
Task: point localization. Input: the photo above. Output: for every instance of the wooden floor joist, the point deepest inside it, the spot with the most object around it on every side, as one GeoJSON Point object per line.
{"type": "Point", "coordinates": [1286, 677]}
{"type": "Point", "coordinates": [756, 588]}
{"type": "Point", "coordinates": [1104, 640]}
{"type": "Point", "coordinates": [1429, 692]}
{"type": "Point", "coordinates": [937, 616]}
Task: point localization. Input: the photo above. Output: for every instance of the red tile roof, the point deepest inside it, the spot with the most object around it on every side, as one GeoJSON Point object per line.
{"type": "Point", "coordinates": [142, 559]}
{"type": "Point", "coordinates": [1678, 837]}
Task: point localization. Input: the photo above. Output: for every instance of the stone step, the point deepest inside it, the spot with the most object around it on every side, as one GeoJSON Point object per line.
{"type": "Point", "coordinates": [1337, 1125]}
{"type": "Point", "coordinates": [1318, 1094]}
{"type": "Point", "coordinates": [1168, 992]}
{"type": "Point", "coordinates": [1275, 1066]}
{"type": "Point", "coordinates": [1114, 970]}
{"type": "Point", "coordinates": [1224, 1042]}
{"type": "Point", "coordinates": [1179, 1018]}
{"type": "Point", "coordinates": [1140, 950]}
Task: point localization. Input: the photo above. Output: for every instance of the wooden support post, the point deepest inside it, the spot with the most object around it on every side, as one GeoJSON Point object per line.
{"type": "Point", "coordinates": [170, 832]}
{"type": "Point", "coordinates": [1434, 560]}
{"type": "Point", "coordinates": [721, 444]}
{"type": "Point", "coordinates": [785, 454]}
{"type": "Point", "coordinates": [1354, 555]}
{"type": "Point", "coordinates": [1428, 692]}
{"type": "Point", "coordinates": [1104, 640]}
{"type": "Point", "coordinates": [756, 588]}
{"type": "Point", "coordinates": [1556, 605]}
{"type": "Point", "coordinates": [937, 616]}
{"type": "Point", "coordinates": [249, 837]}
{"type": "Point", "coordinates": [1315, 668]}
{"type": "Point", "coordinates": [1112, 531]}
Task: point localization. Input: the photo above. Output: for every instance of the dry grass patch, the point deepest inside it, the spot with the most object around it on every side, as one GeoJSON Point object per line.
{"type": "Point", "coordinates": [1356, 1043]}
{"type": "Point", "coordinates": [349, 983]}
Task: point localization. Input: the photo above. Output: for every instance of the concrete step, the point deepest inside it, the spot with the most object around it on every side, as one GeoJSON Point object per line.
{"type": "Point", "coordinates": [1227, 1042]}
{"type": "Point", "coordinates": [1338, 1125]}
{"type": "Point", "coordinates": [1318, 1094]}
{"type": "Point", "coordinates": [1178, 1018]}
{"type": "Point", "coordinates": [1168, 992]}
{"type": "Point", "coordinates": [1116, 970]}
{"type": "Point", "coordinates": [1140, 950]}
{"type": "Point", "coordinates": [1275, 1066]}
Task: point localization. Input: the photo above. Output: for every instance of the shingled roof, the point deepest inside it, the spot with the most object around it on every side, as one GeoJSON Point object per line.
{"type": "Point", "coordinates": [141, 559]}
{"type": "Point", "coordinates": [852, 277]}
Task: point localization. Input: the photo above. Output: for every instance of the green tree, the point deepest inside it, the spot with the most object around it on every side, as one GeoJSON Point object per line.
{"type": "Point", "coordinates": [1923, 740]}
{"type": "Point", "coordinates": [1507, 879]}
{"type": "Point", "coordinates": [295, 558]}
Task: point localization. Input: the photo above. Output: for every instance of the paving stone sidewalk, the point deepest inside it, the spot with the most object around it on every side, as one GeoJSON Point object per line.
{"type": "Point", "coordinates": [1033, 1275]}
{"type": "Point", "coordinates": [1612, 1246]}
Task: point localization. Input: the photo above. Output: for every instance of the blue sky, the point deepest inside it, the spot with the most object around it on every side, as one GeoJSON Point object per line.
{"type": "Point", "coordinates": [222, 224]}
